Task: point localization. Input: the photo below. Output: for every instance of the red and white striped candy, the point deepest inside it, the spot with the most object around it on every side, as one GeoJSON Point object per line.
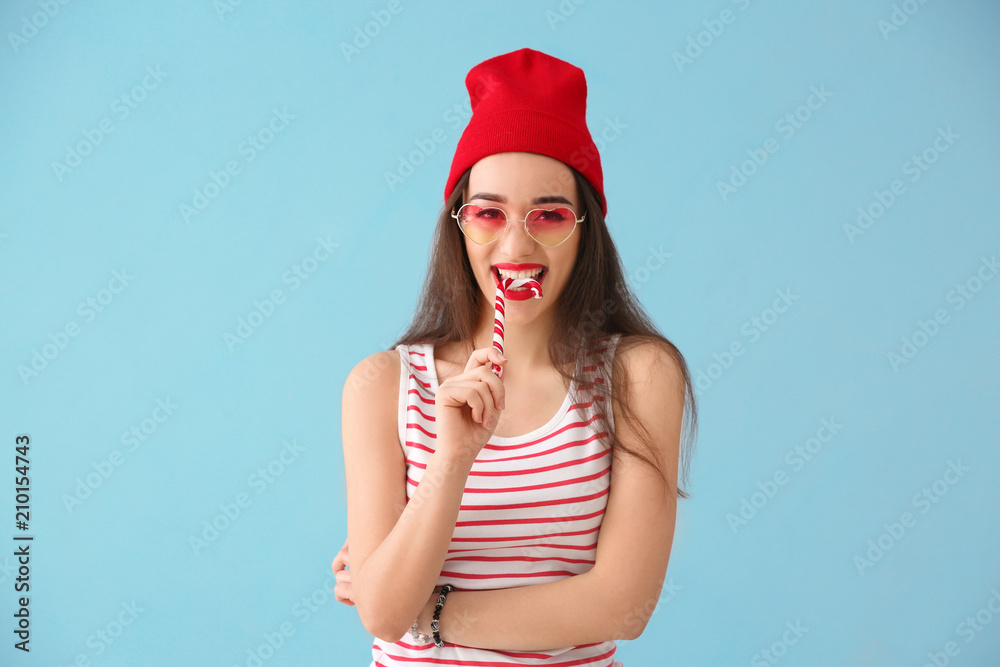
{"type": "Point", "coordinates": [498, 312]}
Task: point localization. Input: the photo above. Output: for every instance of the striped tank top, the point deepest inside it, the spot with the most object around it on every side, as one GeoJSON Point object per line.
{"type": "Point", "coordinates": [530, 514]}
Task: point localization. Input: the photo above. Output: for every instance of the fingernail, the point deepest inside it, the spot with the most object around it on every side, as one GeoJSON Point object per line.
{"type": "Point", "coordinates": [503, 403]}
{"type": "Point", "coordinates": [500, 354]}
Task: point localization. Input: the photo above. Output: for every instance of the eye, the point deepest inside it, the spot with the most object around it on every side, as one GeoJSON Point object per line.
{"type": "Point", "coordinates": [489, 214]}
{"type": "Point", "coordinates": [553, 215]}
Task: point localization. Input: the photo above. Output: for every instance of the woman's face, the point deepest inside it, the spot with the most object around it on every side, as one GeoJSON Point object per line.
{"type": "Point", "coordinates": [518, 183]}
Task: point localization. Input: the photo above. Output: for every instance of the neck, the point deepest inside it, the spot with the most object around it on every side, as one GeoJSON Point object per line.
{"type": "Point", "coordinates": [526, 346]}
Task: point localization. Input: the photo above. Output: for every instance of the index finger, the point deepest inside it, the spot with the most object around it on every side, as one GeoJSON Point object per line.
{"type": "Point", "coordinates": [492, 379]}
{"type": "Point", "coordinates": [482, 356]}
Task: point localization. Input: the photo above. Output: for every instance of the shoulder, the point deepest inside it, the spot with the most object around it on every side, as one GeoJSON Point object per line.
{"type": "Point", "coordinates": [650, 363]}
{"type": "Point", "coordinates": [375, 376]}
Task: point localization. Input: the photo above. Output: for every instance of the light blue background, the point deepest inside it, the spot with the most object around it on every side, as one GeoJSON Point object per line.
{"type": "Point", "coordinates": [323, 176]}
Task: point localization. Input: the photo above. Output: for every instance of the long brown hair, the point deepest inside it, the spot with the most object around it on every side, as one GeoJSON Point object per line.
{"type": "Point", "coordinates": [595, 304]}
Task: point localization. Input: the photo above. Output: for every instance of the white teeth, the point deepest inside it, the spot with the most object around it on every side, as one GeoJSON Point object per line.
{"type": "Point", "coordinates": [532, 273]}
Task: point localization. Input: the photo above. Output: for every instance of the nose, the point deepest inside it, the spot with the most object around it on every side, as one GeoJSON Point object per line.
{"type": "Point", "coordinates": [515, 241]}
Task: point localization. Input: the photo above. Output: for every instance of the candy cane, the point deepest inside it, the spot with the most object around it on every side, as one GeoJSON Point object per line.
{"type": "Point", "coordinates": [498, 311]}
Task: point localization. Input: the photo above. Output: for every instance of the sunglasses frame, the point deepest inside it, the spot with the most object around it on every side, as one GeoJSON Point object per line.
{"type": "Point", "coordinates": [577, 221]}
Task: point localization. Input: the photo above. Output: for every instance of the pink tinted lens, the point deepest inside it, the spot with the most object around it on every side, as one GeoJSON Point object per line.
{"type": "Point", "coordinates": [482, 225]}
{"type": "Point", "coordinates": [551, 227]}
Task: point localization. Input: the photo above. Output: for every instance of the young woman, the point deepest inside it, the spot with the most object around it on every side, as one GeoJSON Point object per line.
{"type": "Point", "coordinates": [531, 509]}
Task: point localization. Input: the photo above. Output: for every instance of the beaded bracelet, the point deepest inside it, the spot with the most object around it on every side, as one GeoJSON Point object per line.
{"type": "Point", "coordinates": [436, 621]}
{"type": "Point", "coordinates": [418, 637]}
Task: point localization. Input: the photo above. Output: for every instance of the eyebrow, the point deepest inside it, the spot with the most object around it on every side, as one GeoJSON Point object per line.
{"type": "Point", "coordinates": [547, 199]}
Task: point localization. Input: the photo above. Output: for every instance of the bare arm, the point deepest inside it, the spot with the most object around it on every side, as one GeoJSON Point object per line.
{"type": "Point", "coordinates": [576, 610]}
{"type": "Point", "coordinates": [398, 548]}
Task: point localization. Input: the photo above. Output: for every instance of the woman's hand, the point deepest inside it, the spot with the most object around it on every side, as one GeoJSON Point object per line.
{"type": "Point", "coordinates": [342, 591]}
{"type": "Point", "coordinates": [468, 406]}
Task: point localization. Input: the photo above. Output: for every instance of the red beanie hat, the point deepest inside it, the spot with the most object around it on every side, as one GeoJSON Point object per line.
{"type": "Point", "coordinates": [528, 101]}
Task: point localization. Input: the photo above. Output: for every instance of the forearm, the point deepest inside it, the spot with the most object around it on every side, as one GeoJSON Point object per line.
{"type": "Point", "coordinates": [395, 581]}
{"type": "Point", "coordinates": [568, 612]}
